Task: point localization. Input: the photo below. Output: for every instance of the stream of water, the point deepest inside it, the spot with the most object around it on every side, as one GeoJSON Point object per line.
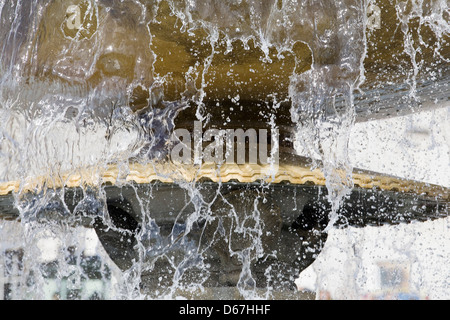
{"type": "Point", "coordinates": [90, 83]}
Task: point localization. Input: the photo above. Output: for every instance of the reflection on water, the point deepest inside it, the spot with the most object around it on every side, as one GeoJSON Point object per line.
{"type": "Point", "coordinates": [76, 269]}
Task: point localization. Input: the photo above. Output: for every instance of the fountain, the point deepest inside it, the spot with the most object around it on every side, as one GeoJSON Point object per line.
{"type": "Point", "coordinates": [173, 129]}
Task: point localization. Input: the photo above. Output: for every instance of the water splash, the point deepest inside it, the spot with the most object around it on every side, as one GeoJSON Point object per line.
{"type": "Point", "coordinates": [81, 95]}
